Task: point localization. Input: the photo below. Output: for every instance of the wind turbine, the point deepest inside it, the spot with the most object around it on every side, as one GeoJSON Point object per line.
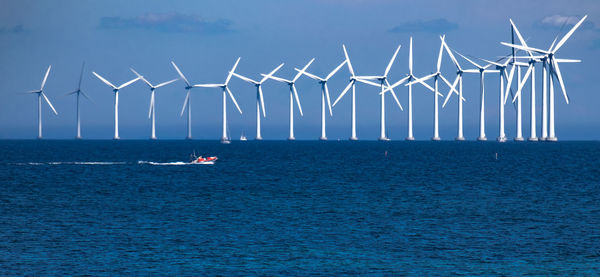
{"type": "Point", "coordinates": [187, 102]}
{"type": "Point", "coordinates": [40, 93]}
{"type": "Point", "coordinates": [458, 80]}
{"type": "Point", "coordinates": [260, 103]}
{"type": "Point", "coordinates": [382, 83]}
{"type": "Point", "coordinates": [324, 94]}
{"type": "Point", "coordinates": [116, 91]}
{"type": "Point", "coordinates": [436, 75]}
{"type": "Point", "coordinates": [293, 93]}
{"type": "Point", "coordinates": [352, 83]}
{"type": "Point", "coordinates": [151, 111]}
{"type": "Point", "coordinates": [482, 71]}
{"type": "Point", "coordinates": [552, 62]}
{"type": "Point", "coordinates": [79, 92]}
{"type": "Point", "coordinates": [225, 88]}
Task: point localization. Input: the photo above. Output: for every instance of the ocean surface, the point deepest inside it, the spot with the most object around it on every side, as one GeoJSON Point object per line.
{"type": "Point", "coordinates": [299, 208]}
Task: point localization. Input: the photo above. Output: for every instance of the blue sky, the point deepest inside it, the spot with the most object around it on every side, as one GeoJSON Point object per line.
{"type": "Point", "coordinates": [205, 37]}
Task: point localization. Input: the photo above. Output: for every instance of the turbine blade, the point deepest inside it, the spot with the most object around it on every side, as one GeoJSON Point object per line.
{"type": "Point", "coordinates": [424, 84]}
{"type": "Point", "coordinates": [208, 85]}
{"type": "Point", "coordinates": [520, 47]}
{"type": "Point", "coordinates": [523, 42]}
{"type": "Point", "coordinates": [401, 81]}
{"type": "Point", "coordinates": [86, 96]}
{"type": "Point", "coordinates": [141, 77]}
{"type": "Point", "coordinates": [556, 71]}
{"type": "Point", "coordinates": [369, 77]}
{"type": "Point", "coordinates": [523, 81]}
{"type": "Point", "coordinates": [104, 80]}
{"type": "Point", "coordinates": [81, 75]}
{"type": "Point", "coordinates": [328, 99]}
{"type": "Point", "coordinates": [310, 75]}
{"type": "Point", "coordinates": [348, 60]}
{"type": "Point", "coordinates": [452, 57]}
{"type": "Point", "coordinates": [421, 80]}
{"type": "Point", "coordinates": [387, 69]}
{"type": "Point", "coordinates": [367, 82]}
{"type": "Point", "coordinates": [166, 83]}
{"type": "Point", "coordinates": [566, 37]}
{"type": "Point", "coordinates": [452, 89]}
{"type": "Point", "coordinates": [343, 92]}
{"type": "Point", "coordinates": [302, 71]}
{"type": "Point", "coordinates": [233, 99]}
{"type": "Point", "coordinates": [394, 95]}
{"type": "Point", "coordinates": [469, 60]}
{"type": "Point", "coordinates": [45, 77]}
{"type": "Point", "coordinates": [185, 101]}
{"type": "Point", "coordinates": [410, 57]}
{"type": "Point", "coordinates": [232, 70]}
{"type": "Point", "coordinates": [335, 70]}
{"type": "Point", "coordinates": [262, 101]}
{"type": "Point", "coordinates": [128, 83]}
{"type": "Point", "coordinates": [297, 99]}
{"type": "Point", "coordinates": [439, 60]}
{"type": "Point", "coordinates": [509, 83]}
{"type": "Point", "coordinates": [181, 74]}
{"type": "Point", "coordinates": [567, 61]}
{"type": "Point", "coordinates": [245, 78]}
{"type": "Point", "coordinates": [49, 104]}
{"type": "Point", "coordinates": [278, 79]}
{"type": "Point", "coordinates": [270, 74]}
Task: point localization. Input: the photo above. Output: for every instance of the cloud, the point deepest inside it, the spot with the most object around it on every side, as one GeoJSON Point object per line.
{"type": "Point", "coordinates": [558, 21]}
{"type": "Point", "coordinates": [19, 28]}
{"type": "Point", "coordinates": [168, 23]}
{"type": "Point", "coordinates": [431, 26]}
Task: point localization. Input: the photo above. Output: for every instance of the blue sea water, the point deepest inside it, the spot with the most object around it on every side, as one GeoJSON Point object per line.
{"type": "Point", "coordinates": [299, 208]}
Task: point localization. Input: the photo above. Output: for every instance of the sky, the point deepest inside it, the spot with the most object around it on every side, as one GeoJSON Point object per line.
{"type": "Point", "coordinates": [205, 38]}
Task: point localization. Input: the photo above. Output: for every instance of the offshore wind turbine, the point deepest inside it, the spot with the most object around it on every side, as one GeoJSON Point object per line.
{"type": "Point", "coordinates": [187, 102]}
{"type": "Point", "coordinates": [260, 102]}
{"type": "Point", "coordinates": [293, 93]}
{"type": "Point", "coordinates": [382, 83]}
{"type": "Point", "coordinates": [40, 93]}
{"type": "Point", "coordinates": [552, 62]}
{"type": "Point", "coordinates": [151, 110]}
{"type": "Point", "coordinates": [482, 71]}
{"type": "Point", "coordinates": [79, 92]}
{"type": "Point", "coordinates": [324, 94]}
{"type": "Point", "coordinates": [458, 80]}
{"type": "Point", "coordinates": [436, 75]}
{"type": "Point", "coordinates": [226, 91]}
{"type": "Point", "coordinates": [116, 91]}
{"type": "Point", "coordinates": [352, 83]}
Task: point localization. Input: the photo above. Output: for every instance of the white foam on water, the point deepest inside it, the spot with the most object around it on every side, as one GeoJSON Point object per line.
{"type": "Point", "coordinates": [70, 163]}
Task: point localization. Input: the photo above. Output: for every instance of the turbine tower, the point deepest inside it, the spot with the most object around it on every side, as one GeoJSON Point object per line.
{"type": "Point", "coordinates": [482, 71]}
{"type": "Point", "coordinates": [116, 91]}
{"type": "Point", "coordinates": [352, 83]}
{"type": "Point", "coordinates": [187, 102]}
{"type": "Point", "coordinates": [458, 80]}
{"type": "Point", "coordinates": [260, 102]}
{"type": "Point", "coordinates": [226, 91]}
{"type": "Point", "coordinates": [382, 83]}
{"type": "Point", "coordinates": [151, 110]}
{"type": "Point", "coordinates": [40, 93]}
{"type": "Point", "coordinates": [79, 92]}
{"type": "Point", "coordinates": [552, 62]}
{"type": "Point", "coordinates": [293, 93]}
{"type": "Point", "coordinates": [324, 94]}
{"type": "Point", "coordinates": [436, 75]}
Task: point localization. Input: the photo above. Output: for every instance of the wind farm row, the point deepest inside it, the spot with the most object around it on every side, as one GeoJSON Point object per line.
{"type": "Point", "coordinates": [522, 62]}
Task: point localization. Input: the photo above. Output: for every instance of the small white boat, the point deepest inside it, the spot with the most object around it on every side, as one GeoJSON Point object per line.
{"type": "Point", "coordinates": [243, 138]}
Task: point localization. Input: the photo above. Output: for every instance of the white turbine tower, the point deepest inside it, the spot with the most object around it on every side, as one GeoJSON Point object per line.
{"type": "Point", "coordinates": [187, 102]}
{"type": "Point", "coordinates": [79, 92]}
{"type": "Point", "coordinates": [436, 75]}
{"type": "Point", "coordinates": [382, 83]}
{"type": "Point", "coordinates": [226, 91]}
{"type": "Point", "coordinates": [293, 93]}
{"type": "Point", "coordinates": [40, 93]}
{"type": "Point", "coordinates": [482, 71]}
{"type": "Point", "coordinates": [152, 111]}
{"type": "Point", "coordinates": [352, 83]}
{"type": "Point", "coordinates": [324, 95]}
{"type": "Point", "coordinates": [458, 80]}
{"type": "Point", "coordinates": [116, 91]}
{"type": "Point", "coordinates": [260, 102]}
{"type": "Point", "coordinates": [552, 62]}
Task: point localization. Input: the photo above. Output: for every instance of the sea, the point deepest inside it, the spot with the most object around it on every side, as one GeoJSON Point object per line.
{"type": "Point", "coordinates": [290, 208]}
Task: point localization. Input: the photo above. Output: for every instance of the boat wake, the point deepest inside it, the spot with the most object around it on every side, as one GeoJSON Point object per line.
{"type": "Point", "coordinates": [70, 163]}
